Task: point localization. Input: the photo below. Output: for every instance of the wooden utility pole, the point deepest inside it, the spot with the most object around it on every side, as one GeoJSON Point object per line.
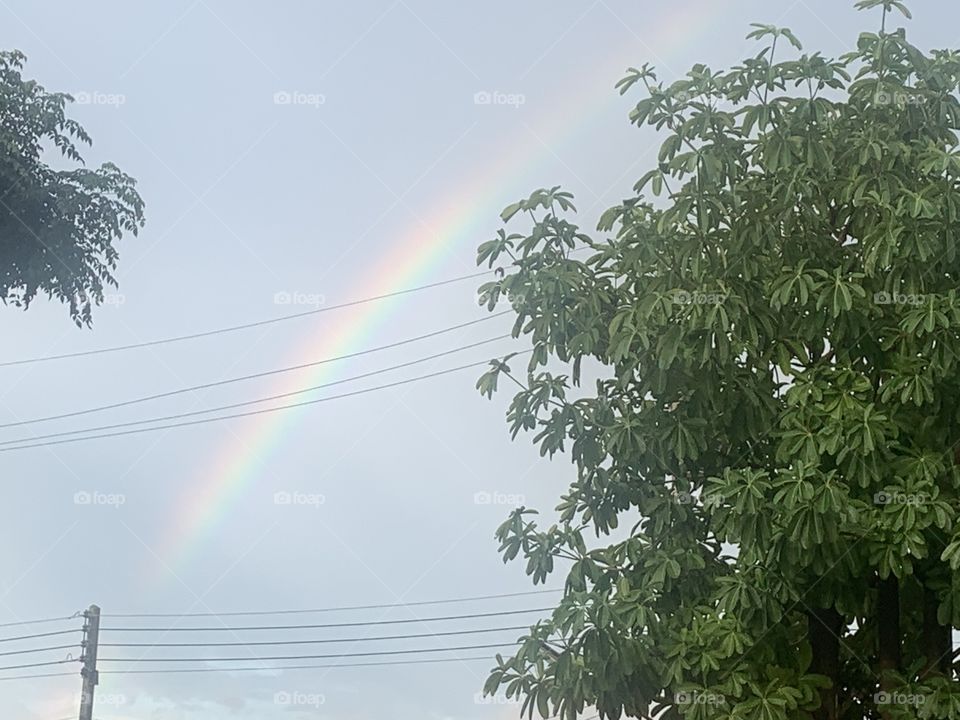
{"type": "Point", "coordinates": [91, 633]}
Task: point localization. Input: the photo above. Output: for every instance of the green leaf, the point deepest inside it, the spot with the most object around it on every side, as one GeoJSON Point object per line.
{"type": "Point", "coordinates": [510, 210]}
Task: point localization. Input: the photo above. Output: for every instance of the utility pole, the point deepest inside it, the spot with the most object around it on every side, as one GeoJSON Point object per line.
{"type": "Point", "coordinates": [91, 636]}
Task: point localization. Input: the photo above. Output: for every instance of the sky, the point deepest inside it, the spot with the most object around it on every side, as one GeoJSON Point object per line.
{"type": "Point", "coordinates": [293, 158]}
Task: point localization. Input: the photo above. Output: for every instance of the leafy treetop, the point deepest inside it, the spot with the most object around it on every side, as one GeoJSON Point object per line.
{"type": "Point", "coordinates": [57, 226]}
{"type": "Point", "coordinates": [776, 331]}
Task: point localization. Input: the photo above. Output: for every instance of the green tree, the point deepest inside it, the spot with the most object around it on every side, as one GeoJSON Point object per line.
{"type": "Point", "coordinates": [775, 336]}
{"type": "Point", "coordinates": [57, 225]}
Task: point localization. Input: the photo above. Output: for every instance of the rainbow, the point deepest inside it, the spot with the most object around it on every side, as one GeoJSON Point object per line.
{"type": "Point", "coordinates": [469, 215]}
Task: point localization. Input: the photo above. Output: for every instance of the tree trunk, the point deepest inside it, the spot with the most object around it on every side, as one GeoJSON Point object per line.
{"type": "Point", "coordinates": [888, 623]}
{"type": "Point", "coordinates": [888, 632]}
{"type": "Point", "coordinates": [937, 640]}
{"type": "Point", "coordinates": [825, 626]}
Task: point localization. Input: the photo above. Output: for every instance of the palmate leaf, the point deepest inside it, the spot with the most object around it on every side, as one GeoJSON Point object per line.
{"type": "Point", "coordinates": [886, 4]}
{"type": "Point", "coordinates": [510, 210]}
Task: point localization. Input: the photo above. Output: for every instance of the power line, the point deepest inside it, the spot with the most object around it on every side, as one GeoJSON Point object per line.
{"type": "Point", "coordinates": [500, 613]}
{"type": "Point", "coordinates": [38, 675]}
{"type": "Point", "coordinates": [40, 635]}
{"type": "Point", "coordinates": [245, 326]}
{"type": "Point", "coordinates": [38, 650]}
{"type": "Point", "coordinates": [319, 641]}
{"type": "Point", "coordinates": [272, 658]}
{"type": "Point", "coordinates": [37, 622]}
{"type": "Point", "coordinates": [245, 403]}
{"type": "Point", "coordinates": [164, 671]}
{"type": "Point", "coordinates": [334, 609]}
{"type": "Point", "coordinates": [253, 376]}
{"type": "Point", "coordinates": [42, 664]}
{"type": "Point", "coordinates": [250, 413]}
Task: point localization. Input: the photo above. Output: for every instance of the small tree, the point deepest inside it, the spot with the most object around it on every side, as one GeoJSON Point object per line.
{"type": "Point", "coordinates": [57, 226]}
{"type": "Point", "coordinates": [777, 341]}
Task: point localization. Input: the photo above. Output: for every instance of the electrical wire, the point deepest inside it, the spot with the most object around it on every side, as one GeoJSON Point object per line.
{"type": "Point", "coordinates": [42, 664]}
{"type": "Point", "coordinates": [250, 413]}
{"type": "Point", "coordinates": [253, 376]}
{"type": "Point", "coordinates": [245, 326]}
{"type": "Point", "coordinates": [164, 671]}
{"type": "Point", "coordinates": [246, 403]}
{"type": "Point", "coordinates": [38, 650]}
{"type": "Point", "coordinates": [383, 606]}
{"type": "Point", "coordinates": [37, 622]}
{"type": "Point", "coordinates": [37, 675]}
{"type": "Point", "coordinates": [368, 623]}
{"type": "Point", "coordinates": [40, 635]}
{"type": "Point", "coordinates": [271, 658]}
{"type": "Point", "coordinates": [316, 642]}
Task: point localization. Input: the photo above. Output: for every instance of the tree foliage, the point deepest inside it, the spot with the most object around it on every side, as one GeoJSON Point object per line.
{"type": "Point", "coordinates": [775, 322]}
{"type": "Point", "coordinates": [57, 225]}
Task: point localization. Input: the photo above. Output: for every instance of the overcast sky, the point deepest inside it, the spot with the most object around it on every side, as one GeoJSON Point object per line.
{"type": "Point", "coordinates": [294, 157]}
